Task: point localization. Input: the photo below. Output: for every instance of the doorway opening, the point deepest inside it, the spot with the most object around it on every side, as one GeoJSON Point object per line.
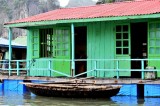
{"type": "Point", "coordinates": [138, 46]}
{"type": "Point", "coordinates": [80, 49]}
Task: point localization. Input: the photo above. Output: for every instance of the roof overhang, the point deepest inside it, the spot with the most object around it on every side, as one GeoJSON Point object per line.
{"type": "Point", "coordinates": [53, 22]}
{"type": "Point", "coordinates": [14, 46]}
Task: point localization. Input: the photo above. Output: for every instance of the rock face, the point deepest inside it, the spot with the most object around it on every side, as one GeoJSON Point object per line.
{"type": "Point", "coordinates": [18, 9]}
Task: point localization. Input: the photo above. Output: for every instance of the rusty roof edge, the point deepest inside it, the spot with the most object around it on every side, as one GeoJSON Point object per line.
{"type": "Point", "coordinates": [54, 22]}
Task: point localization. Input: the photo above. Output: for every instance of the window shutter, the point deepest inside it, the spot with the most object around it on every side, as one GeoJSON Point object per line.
{"type": "Point", "coordinates": [35, 43]}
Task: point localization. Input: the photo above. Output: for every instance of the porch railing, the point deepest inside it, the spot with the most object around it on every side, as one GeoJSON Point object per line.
{"type": "Point", "coordinates": [15, 67]}
{"type": "Point", "coordinates": [94, 66]}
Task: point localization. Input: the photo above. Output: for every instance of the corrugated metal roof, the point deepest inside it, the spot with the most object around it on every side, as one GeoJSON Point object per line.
{"type": "Point", "coordinates": [22, 40]}
{"type": "Point", "coordinates": [5, 43]}
{"type": "Point", "coordinates": [130, 8]}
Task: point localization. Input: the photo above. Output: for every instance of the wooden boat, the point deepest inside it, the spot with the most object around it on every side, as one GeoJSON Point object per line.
{"type": "Point", "coordinates": [74, 90]}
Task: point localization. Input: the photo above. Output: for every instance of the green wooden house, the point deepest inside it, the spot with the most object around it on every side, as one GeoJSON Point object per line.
{"type": "Point", "coordinates": [121, 38]}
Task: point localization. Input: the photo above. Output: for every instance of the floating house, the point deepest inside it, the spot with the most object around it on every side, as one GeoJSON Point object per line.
{"type": "Point", "coordinates": [18, 51]}
{"type": "Point", "coordinates": [114, 39]}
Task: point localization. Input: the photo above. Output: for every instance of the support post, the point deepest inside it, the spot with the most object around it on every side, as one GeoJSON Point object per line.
{"type": "Point", "coordinates": [117, 65]}
{"type": "Point", "coordinates": [10, 48]}
{"type": "Point", "coordinates": [95, 69]}
{"type": "Point", "coordinates": [28, 67]}
{"type": "Point", "coordinates": [142, 67]}
{"type": "Point", "coordinates": [49, 68]}
{"type": "Point", "coordinates": [18, 67]}
{"type": "Point", "coordinates": [140, 90]}
{"type": "Point", "coordinates": [73, 55]}
{"type": "Point", "coordinates": [28, 61]}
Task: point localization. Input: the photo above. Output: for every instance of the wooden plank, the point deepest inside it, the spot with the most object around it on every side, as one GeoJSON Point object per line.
{"type": "Point", "coordinates": [112, 81]}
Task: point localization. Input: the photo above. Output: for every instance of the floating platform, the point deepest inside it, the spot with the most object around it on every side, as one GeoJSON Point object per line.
{"type": "Point", "coordinates": [111, 81]}
{"type": "Point", "coordinates": [130, 86]}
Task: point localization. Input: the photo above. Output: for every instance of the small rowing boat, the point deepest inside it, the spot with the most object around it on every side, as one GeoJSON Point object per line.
{"type": "Point", "coordinates": [74, 90]}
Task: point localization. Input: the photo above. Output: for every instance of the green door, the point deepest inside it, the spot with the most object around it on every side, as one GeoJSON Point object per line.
{"type": "Point", "coordinates": [61, 50]}
{"type": "Point", "coordinates": [154, 44]}
{"type": "Point", "coordinates": [122, 43]}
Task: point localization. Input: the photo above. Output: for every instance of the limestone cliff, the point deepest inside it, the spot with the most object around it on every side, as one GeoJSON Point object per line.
{"type": "Point", "coordinates": [18, 9]}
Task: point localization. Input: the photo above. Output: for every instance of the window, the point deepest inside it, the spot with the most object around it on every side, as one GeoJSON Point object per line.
{"type": "Point", "coordinates": [54, 42]}
{"type": "Point", "coordinates": [61, 42]}
{"type": "Point", "coordinates": [46, 42]}
{"type": "Point", "coordinates": [154, 38]}
{"type": "Point", "coordinates": [122, 39]}
{"type": "Point", "coordinates": [35, 43]}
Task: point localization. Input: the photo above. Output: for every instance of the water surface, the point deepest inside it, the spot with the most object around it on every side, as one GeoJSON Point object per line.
{"type": "Point", "coordinates": [13, 98]}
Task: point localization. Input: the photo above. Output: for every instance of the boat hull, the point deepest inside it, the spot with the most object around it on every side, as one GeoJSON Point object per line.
{"type": "Point", "coordinates": [74, 92]}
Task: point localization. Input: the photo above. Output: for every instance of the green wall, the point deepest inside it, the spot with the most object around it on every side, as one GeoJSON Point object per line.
{"type": "Point", "coordinates": [100, 45]}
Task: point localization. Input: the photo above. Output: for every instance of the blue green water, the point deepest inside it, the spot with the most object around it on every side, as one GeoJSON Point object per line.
{"type": "Point", "coordinates": [15, 98]}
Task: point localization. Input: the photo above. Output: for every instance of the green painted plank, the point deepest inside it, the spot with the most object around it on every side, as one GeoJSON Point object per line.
{"type": "Point", "coordinates": [90, 47]}
{"type": "Point", "coordinates": [89, 33]}
{"type": "Point", "coordinates": [102, 48]}
{"type": "Point", "coordinates": [106, 45]}
{"type": "Point", "coordinates": [96, 45]}
{"type": "Point", "coordinates": [92, 39]}
{"type": "Point", "coordinates": [109, 53]}
{"type": "Point", "coordinates": [111, 50]}
{"type": "Point", "coordinates": [102, 52]}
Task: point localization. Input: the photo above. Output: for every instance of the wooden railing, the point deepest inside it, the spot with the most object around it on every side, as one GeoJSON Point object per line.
{"type": "Point", "coordinates": [23, 67]}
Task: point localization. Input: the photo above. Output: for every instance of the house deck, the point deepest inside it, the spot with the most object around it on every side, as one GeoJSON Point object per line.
{"type": "Point", "coordinates": [89, 80]}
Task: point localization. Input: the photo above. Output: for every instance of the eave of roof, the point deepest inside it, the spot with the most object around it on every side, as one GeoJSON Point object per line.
{"type": "Point", "coordinates": [5, 43]}
{"type": "Point", "coordinates": [13, 46]}
{"type": "Point", "coordinates": [43, 23]}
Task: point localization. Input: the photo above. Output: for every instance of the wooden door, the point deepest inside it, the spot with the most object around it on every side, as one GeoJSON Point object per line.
{"type": "Point", "coordinates": [122, 43]}
{"type": "Point", "coordinates": [154, 44]}
{"type": "Point", "coordinates": [61, 50]}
